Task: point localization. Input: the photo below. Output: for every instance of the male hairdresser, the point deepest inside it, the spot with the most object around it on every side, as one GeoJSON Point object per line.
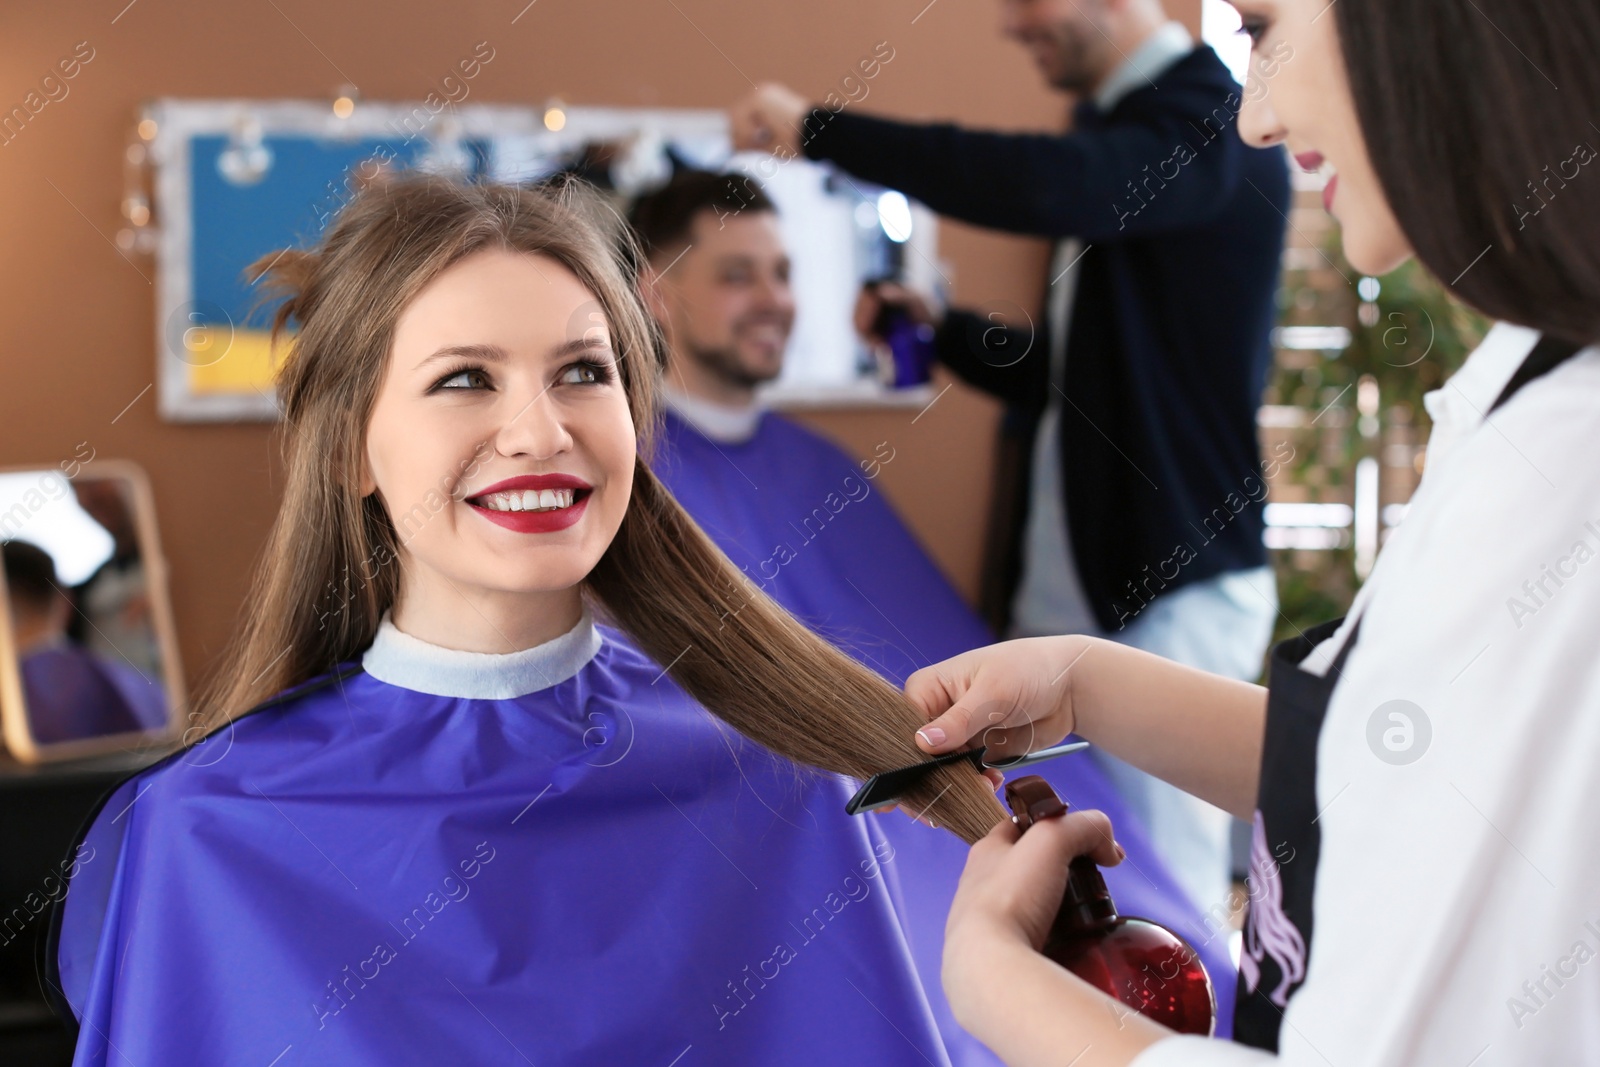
{"type": "Point", "coordinates": [1139, 514]}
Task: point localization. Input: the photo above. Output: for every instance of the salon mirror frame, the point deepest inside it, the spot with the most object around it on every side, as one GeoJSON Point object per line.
{"type": "Point", "coordinates": [14, 724]}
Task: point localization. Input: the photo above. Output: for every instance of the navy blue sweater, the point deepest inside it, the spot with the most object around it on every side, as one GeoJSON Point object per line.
{"type": "Point", "coordinates": [1169, 341]}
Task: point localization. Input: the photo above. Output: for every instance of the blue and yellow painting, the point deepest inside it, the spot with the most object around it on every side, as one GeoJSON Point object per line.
{"type": "Point", "coordinates": [223, 344]}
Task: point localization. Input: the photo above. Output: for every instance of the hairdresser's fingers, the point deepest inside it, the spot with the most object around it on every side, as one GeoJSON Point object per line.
{"type": "Point", "coordinates": [970, 697]}
{"type": "Point", "coordinates": [1004, 742]}
{"type": "Point", "coordinates": [915, 304]}
{"type": "Point", "coordinates": [959, 703]}
{"type": "Point", "coordinates": [1077, 833]}
{"type": "Point", "coordinates": [768, 119]}
{"type": "Point", "coordinates": [745, 127]}
{"type": "Point", "coordinates": [1005, 691]}
{"type": "Point", "coordinates": [1007, 855]}
{"type": "Point", "coordinates": [949, 730]}
{"type": "Point", "coordinates": [1013, 882]}
{"type": "Point", "coordinates": [934, 688]}
{"type": "Point", "coordinates": [967, 720]}
{"type": "Point", "coordinates": [960, 700]}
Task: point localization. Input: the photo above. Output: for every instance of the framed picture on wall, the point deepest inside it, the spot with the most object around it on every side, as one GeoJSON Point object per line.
{"type": "Point", "coordinates": [236, 180]}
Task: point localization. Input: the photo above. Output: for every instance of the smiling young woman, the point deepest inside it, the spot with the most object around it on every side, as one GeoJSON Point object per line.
{"type": "Point", "coordinates": [419, 679]}
{"type": "Point", "coordinates": [423, 265]}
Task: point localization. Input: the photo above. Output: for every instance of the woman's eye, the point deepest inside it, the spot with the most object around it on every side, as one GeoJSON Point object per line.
{"type": "Point", "coordinates": [1255, 29]}
{"type": "Point", "coordinates": [586, 374]}
{"type": "Point", "coordinates": [467, 378]}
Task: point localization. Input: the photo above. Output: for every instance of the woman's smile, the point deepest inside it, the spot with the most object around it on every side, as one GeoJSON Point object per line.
{"type": "Point", "coordinates": [1311, 162]}
{"type": "Point", "coordinates": [1304, 98]}
{"type": "Point", "coordinates": [533, 503]}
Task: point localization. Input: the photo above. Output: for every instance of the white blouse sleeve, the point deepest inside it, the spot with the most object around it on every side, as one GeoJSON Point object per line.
{"type": "Point", "coordinates": [1457, 902]}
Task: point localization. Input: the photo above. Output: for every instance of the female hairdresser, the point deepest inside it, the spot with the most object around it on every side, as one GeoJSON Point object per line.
{"type": "Point", "coordinates": [1425, 877]}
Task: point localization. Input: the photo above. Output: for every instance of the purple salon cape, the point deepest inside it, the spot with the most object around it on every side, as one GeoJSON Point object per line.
{"type": "Point", "coordinates": [72, 694]}
{"type": "Point", "coordinates": [432, 857]}
{"type": "Point", "coordinates": [812, 528]}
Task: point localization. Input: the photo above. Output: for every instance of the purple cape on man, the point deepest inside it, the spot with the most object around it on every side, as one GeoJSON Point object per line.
{"type": "Point", "coordinates": [812, 528]}
{"type": "Point", "coordinates": [72, 694]}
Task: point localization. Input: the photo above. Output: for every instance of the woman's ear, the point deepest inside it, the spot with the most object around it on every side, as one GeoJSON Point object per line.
{"type": "Point", "coordinates": [366, 484]}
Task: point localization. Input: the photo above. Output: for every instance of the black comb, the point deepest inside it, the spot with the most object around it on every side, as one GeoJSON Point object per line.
{"type": "Point", "coordinates": [887, 788]}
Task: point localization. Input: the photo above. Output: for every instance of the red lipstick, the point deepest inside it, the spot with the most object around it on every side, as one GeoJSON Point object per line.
{"type": "Point", "coordinates": [535, 521]}
{"type": "Point", "coordinates": [1311, 162]}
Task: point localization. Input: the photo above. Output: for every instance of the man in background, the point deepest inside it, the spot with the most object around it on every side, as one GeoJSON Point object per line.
{"type": "Point", "coordinates": [68, 692]}
{"type": "Point", "coordinates": [810, 524]}
{"type": "Point", "coordinates": [811, 527]}
{"type": "Point", "coordinates": [1138, 484]}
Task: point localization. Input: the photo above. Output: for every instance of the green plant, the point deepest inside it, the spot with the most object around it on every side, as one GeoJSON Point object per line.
{"type": "Point", "coordinates": [1407, 338]}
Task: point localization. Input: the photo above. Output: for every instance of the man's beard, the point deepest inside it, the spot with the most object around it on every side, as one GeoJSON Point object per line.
{"type": "Point", "coordinates": [724, 365]}
{"type": "Point", "coordinates": [1073, 69]}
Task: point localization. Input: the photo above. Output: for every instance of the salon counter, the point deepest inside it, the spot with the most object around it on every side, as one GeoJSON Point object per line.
{"type": "Point", "coordinates": [42, 807]}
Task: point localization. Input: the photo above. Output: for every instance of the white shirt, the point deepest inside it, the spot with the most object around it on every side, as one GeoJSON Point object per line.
{"type": "Point", "coordinates": [1446, 883]}
{"type": "Point", "coordinates": [1049, 598]}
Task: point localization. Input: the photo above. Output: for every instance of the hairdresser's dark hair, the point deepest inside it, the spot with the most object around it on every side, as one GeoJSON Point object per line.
{"type": "Point", "coordinates": [1471, 113]}
{"type": "Point", "coordinates": [664, 218]}
{"type": "Point", "coordinates": [328, 571]}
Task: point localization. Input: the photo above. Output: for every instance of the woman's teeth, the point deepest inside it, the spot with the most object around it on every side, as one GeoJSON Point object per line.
{"type": "Point", "coordinates": [529, 500]}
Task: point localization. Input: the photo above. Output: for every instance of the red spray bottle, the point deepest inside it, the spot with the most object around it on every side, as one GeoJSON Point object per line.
{"type": "Point", "coordinates": [1141, 963]}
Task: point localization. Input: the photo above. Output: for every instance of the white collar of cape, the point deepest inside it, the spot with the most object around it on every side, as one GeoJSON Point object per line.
{"type": "Point", "coordinates": [720, 422]}
{"type": "Point", "coordinates": [411, 663]}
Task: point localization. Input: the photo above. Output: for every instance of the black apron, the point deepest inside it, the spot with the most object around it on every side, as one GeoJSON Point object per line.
{"type": "Point", "coordinates": [1286, 839]}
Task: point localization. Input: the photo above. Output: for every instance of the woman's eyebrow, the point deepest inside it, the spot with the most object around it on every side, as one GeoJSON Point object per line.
{"type": "Point", "coordinates": [496, 354]}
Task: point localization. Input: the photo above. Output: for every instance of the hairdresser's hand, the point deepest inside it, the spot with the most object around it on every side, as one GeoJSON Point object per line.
{"type": "Point", "coordinates": [875, 295]}
{"type": "Point", "coordinates": [1007, 898]}
{"type": "Point", "coordinates": [768, 120]}
{"type": "Point", "coordinates": [1014, 697]}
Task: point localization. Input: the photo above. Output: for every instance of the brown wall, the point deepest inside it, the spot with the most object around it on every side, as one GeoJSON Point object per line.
{"type": "Point", "coordinates": [76, 334]}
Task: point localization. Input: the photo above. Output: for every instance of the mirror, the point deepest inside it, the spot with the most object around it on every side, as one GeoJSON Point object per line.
{"type": "Point", "coordinates": [88, 653]}
{"type": "Point", "coordinates": [231, 180]}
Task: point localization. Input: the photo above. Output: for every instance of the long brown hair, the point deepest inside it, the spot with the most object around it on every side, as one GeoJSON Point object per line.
{"type": "Point", "coordinates": [1479, 119]}
{"type": "Point", "coordinates": [330, 566]}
